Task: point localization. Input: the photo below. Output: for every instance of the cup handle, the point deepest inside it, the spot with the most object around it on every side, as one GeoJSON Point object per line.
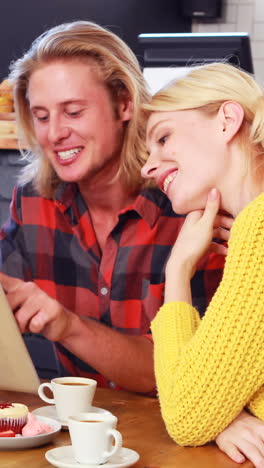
{"type": "Point", "coordinates": [42, 394]}
{"type": "Point", "coordinates": [118, 443]}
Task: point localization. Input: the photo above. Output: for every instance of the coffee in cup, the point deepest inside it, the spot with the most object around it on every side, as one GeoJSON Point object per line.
{"type": "Point", "coordinates": [92, 437]}
{"type": "Point", "coordinates": [71, 395]}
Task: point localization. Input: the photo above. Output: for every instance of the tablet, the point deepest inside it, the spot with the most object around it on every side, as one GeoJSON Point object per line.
{"type": "Point", "coordinates": [17, 371]}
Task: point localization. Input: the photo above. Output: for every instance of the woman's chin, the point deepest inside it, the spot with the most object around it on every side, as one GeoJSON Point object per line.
{"type": "Point", "coordinates": [186, 207]}
{"type": "Point", "coordinates": [181, 206]}
{"type": "Point", "coordinates": [179, 209]}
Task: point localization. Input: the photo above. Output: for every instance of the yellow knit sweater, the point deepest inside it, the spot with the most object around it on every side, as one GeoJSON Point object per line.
{"type": "Point", "coordinates": [208, 370]}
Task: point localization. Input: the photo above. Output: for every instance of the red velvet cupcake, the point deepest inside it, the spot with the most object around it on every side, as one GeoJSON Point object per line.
{"type": "Point", "coordinates": [13, 416]}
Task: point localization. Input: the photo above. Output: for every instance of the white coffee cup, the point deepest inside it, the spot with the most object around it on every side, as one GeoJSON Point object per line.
{"type": "Point", "coordinates": [92, 435]}
{"type": "Point", "coordinates": [71, 395]}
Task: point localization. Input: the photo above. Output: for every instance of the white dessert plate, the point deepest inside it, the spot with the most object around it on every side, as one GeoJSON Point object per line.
{"type": "Point", "coordinates": [21, 442]}
{"type": "Point", "coordinates": [62, 457]}
{"type": "Point", "coordinates": [50, 412]}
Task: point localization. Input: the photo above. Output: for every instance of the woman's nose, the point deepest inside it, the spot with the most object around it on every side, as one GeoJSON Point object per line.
{"type": "Point", "coordinates": [149, 169]}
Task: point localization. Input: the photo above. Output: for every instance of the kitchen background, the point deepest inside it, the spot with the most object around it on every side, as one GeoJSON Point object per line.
{"type": "Point", "coordinates": [241, 16]}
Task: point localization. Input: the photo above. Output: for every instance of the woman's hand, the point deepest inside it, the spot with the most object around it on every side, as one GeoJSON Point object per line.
{"type": "Point", "coordinates": [244, 438]}
{"type": "Point", "coordinates": [197, 233]}
{"type": "Point", "coordinates": [195, 238]}
{"type": "Point", "coordinates": [34, 310]}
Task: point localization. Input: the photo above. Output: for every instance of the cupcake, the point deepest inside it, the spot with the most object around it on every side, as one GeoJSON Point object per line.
{"type": "Point", "coordinates": [13, 416]}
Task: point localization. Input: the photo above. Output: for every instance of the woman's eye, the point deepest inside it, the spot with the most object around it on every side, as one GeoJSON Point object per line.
{"type": "Point", "coordinates": [162, 140]}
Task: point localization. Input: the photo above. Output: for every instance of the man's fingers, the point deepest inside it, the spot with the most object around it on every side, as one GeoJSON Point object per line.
{"type": "Point", "coordinates": [220, 233]}
{"type": "Point", "coordinates": [38, 322]}
{"type": "Point", "coordinates": [224, 221]}
{"type": "Point", "coordinates": [219, 249]}
{"type": "Point", "coordinates": [9, 283]}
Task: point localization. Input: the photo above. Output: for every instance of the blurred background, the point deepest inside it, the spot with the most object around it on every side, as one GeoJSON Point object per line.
{"type": "Point", "coordinates": [22, 21]}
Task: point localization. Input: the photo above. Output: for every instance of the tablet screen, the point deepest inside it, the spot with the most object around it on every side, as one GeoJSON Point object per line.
{"type": "Point", "coordinates": [17, 371]}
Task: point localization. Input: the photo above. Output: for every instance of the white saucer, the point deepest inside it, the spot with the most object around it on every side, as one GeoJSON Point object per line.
{"type": "Point", "coordinates": [25, 442]}
{"type": "Point", "coordinates": [62, 457]}
{"type": "Point", "coordinates": [50, 412]}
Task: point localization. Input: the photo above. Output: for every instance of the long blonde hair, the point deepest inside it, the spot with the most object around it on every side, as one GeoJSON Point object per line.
{"type": "Point", "coordinates": [206, 87]}
{"type": "Point", "coordinates": [120, 72]}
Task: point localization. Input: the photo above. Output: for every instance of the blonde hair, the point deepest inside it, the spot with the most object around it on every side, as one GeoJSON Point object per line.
{"type": "Point", "coordinates": [119, 70]}
{"type": "Point", "coordinates": [205, 88]}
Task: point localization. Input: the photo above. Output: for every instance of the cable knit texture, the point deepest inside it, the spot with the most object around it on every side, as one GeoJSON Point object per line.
{"type": "Point", "coordinates": [208, 370]}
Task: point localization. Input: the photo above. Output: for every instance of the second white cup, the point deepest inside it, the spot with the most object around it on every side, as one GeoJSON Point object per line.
{"type": "Point", "coordinates": [71, 395]}
{"type": "Point", "coordinates": [92, 437]}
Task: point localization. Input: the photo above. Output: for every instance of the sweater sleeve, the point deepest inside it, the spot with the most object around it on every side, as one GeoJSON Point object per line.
{"type": "Point", "coordinates": [208, 370]}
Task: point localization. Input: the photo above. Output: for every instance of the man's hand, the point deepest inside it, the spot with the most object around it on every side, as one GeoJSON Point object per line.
{"type": "Point", "coordinates": [34, 310]}
{"type": "Point", "coordinates": [244, 438]}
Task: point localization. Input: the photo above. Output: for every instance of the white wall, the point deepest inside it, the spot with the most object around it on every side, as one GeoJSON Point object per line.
{"type": "Point", "coordinates": [241, 16]}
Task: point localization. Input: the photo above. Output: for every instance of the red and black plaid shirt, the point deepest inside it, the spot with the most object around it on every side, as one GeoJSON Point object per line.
{"type": "Point", "coordinates": [53, 243]}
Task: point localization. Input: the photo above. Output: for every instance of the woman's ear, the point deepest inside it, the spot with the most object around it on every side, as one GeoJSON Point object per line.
{"type": "Point", "coordinates": [231, 115]}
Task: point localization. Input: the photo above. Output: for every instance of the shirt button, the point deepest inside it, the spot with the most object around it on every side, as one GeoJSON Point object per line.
{"type": "Point", "coordinates": [104, 291]}
{"type": "Point", "coordinates": [112, 385]}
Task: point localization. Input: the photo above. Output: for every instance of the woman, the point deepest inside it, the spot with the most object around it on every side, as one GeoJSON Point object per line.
{"type": "Point", "coordinates": [205, 139]}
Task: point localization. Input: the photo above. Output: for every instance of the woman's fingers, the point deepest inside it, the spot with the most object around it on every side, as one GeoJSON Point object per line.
{"type": "Point", "coordinates": [244, 437]}
{"type": "Point", "coordinates": [252, 452]}
{"type": "Point", "coordinates": [232, 452]}
{"type": "Point", "coordinates": [242, 450]}
{"type": "Point", "coordinates": [212, 206]}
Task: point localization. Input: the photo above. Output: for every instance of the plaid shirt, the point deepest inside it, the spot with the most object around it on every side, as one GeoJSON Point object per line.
{"type": "Point", "coordinates": [53, 243]}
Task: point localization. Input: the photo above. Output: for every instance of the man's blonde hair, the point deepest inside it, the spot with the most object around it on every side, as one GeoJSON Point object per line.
{"type": "Point", "coordinates": [120, 72]}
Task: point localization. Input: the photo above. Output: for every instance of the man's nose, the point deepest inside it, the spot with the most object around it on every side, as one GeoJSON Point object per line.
{"type": "Point", "coordinates": [58, 130]}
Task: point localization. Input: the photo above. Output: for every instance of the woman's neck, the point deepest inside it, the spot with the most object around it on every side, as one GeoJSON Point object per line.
{"type": "Point", "coordinates": [240, 193]}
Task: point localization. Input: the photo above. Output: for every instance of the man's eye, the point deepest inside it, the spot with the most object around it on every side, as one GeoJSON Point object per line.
{"type": "Point", "coordinates": [41, 118]}
{"type": "Point", "coordinates": [75, 113]}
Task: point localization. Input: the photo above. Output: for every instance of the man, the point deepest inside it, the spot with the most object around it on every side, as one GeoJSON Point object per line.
{"type": "Point", "coordinates": [87, 241]}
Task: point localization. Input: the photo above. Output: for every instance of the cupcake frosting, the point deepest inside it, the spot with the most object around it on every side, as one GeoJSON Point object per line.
{"type": "Point", "coordinates": [13, 410]}
{"type": "Point", "coordinates": [35, 427]}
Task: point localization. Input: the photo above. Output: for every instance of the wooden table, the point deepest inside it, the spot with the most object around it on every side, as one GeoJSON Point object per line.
{"type": "Point", "coordinates": [142, 428]}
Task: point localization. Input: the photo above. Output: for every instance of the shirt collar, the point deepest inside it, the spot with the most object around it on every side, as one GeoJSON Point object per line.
{"type": "Point", "coordinates": [149, 203]}
{"type": "Point", "coordinates": [65, 194]}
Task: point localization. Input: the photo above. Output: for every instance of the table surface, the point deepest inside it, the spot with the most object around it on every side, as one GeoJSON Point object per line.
{"type": "Point", "coordinates": [143, 430]}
